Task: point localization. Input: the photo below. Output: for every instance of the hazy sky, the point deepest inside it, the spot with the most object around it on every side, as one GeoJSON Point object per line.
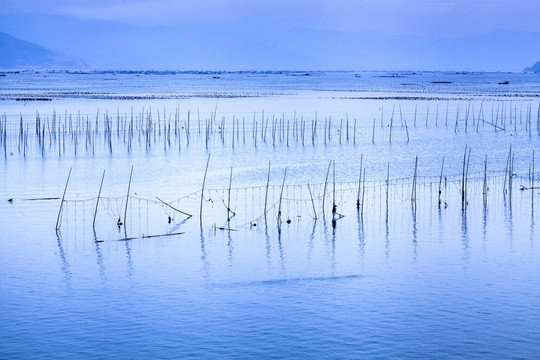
{"type": "Point", "coordinates": [446, 18]}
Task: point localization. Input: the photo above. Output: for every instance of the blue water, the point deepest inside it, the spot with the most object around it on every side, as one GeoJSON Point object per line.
{"type": "Point", "coordinates": [435, 288]}
{"type": "Point", "coordinates": [388, 283]}
{"type": "Point", "coordinates": [178, 85]}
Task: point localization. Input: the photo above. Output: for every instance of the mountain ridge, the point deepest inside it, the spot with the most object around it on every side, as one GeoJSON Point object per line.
{"type": "Point", "coordinates": [21, 54]}
{"type": "Point", "coordinates": [113, 45]}
{"type": "Point", "coordinates": [535, 68]}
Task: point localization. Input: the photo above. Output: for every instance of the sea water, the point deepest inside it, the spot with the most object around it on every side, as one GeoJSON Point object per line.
{"type": "Point", "coordinates": [405, 277]}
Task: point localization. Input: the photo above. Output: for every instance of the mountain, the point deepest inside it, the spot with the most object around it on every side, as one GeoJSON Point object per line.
{"type": "Point", "coordinates": [20, 54]}
{"type": "Point", "coordinates": [535, 68]}
{"type": "Point", "coordinates": [253, 46]}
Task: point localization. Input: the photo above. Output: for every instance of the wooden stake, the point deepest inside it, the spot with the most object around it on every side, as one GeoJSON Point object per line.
{"type": "Point", "coordinates": [127, 197]}
{"type": "Point", "coordinates": [62, 202]}
{"type": "Point", "coordinates": [391, 123]}
{"type": "Point", "coordinates": [359, 182]}
{"type": "Point", "coordinates": [373, 134]}
{"type": "Point", "coordinates": [175, 209]}
{"type": "Point", "coordinates": [266, 193]}
{"type": "Point", "coordinates": [484, 190]}
{"type": "Point", "coordinates": [413, 192]}
{"type": "Point", "coordinates": [229, 198]}
{"type": "Point", "coordinates": [363, 193]}
{"type": "Point", "coordinates": [202, 190]}
{"type": "Point", "coordinates": [407, 130]}
{"type": "Point", "coordinates": [312, 202]}
{"type": "Point", "coordinates": [97, 202]}
{"type": "Point", "coordinates": [280, 198]}
{"type": "Point", "coordinates": [334, 207]}
{"type": "Point", "coordinates": [325, 183]}
{"type": "Point", "coordinates": [463, 179]}
{"type": "Point", "coordinates": [532, 183]}
{"type": "Point", "coordinates": [387, 187]}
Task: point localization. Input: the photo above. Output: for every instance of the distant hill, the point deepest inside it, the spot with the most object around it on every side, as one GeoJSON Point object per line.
{"type": "Point", "coordinates": [223, 46]}
{"type": "Point", "coordinates": [535, 68]}
{"type": "Point", "coordinates": [19, 54]}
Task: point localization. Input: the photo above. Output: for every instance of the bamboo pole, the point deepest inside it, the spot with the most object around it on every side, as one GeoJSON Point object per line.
{"type": "Point", "coordinates": [334, 207]}
{"type": "Point", "coordinates": [229, 197]}
{"type": "Point", "coordinates": [484, 189]}
{"type": "Point", "coordinates": [312, 202]}
{"type": "Point", "coordinates": [413, 192]}
{"type": "Point", "coordinates": [407, 130]}
{"type": "Point", "coordinates": [62, 202]}
{"type": "Point", "coordinates": [202, 190]}
{"type": "Point", "coordinates": [97, 202]}
{"type": "Point", "coordinates": [463, 179]}
{"type": "Point", "coordinates": [363, 193]}
{"type": "Point", "coordinates": [446, 118]}
{"type": "Point", "coordinates": [391, 123]}
{"type": "Point", "coordinates": [359, 182]}
{"type": "Point", "coordinates": [506, 169]}
{"type": "Point", "coordinates": [127, 196]}
{"type": "Point", "coordinates": [532, 184]}
{"type": "Point", "coordinates": [325, 184]}
{"type": "Point", "coordinates": [387, 187]}
{"type": "Point", "coordinates": [266, 192]}
{"type": "Point", "coordinates": [280, 198]}
{"type": "Point", "coordinates": [511, 178]}
{"type": "Point", "coordinates": [373, 133]}
{"type": "Point", "coordinates": [175, 209]}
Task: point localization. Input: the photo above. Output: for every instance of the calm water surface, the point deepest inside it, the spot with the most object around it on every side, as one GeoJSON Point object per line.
{"type": "Point", "coordinates": [385, 283]}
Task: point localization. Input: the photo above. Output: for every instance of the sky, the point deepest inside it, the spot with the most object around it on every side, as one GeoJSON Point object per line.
{"type": "Point", "coordinates": [442, 18]}
{"type": "Point", "coordinates": [281, 34]}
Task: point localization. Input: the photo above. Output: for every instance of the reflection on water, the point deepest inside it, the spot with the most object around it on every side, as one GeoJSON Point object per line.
{"type": "Point", "coordinates": [381, 281]}
{"type": "Point", "coordinates": [65, 264]}
{"type": "Point", "coordinates": [204, 255]}
{"type": "Point", "coordinates": [281, 256]}
{"type": "Point", "coordinates": [129, 260]}
{"type": "Point", "coordinates": [99, 259]}
{"type": "Point", "coordinates": [510, 225]}
{"type": "Point", "coordinates": [326, 246]}
{"type": "Point", "coordinates": [311, 279]}
{"type": "Point", "coordinates": [386, 238]}
{"type": "Point", "coordinates": [268, 245]}
{"type": "Point", "coordinates": [414, 234]}
{"type": "Point", "coordinates": [532, 228]}
{"type": "Point", "coordinates": [333, 243]}
{"type": "Point", "coordinates": [311, 238]}
{"type": "Point", "coordinates": [484, 227]}
{"type": "Point", "coordinates": [465, 246]}
{"type": "Point", "coordinates": [361, 238]}
{"type": "Point", "coordinates": [290, 281]}
{"type": "Point", "coordinates": [230, 248]}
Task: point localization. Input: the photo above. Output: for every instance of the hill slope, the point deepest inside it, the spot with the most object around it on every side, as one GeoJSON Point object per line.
{"type": "Point", "coordinates": [17, 54]}
{"type": "Point", "coordinates": [535, 68]}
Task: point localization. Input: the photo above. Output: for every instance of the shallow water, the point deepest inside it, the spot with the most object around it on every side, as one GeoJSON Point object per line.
{"type": "Point", "coordinates": [383, 281]}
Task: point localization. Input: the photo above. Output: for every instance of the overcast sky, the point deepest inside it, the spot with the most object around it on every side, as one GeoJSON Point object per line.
{"type": "Point", "coordinates": [441, 18]}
